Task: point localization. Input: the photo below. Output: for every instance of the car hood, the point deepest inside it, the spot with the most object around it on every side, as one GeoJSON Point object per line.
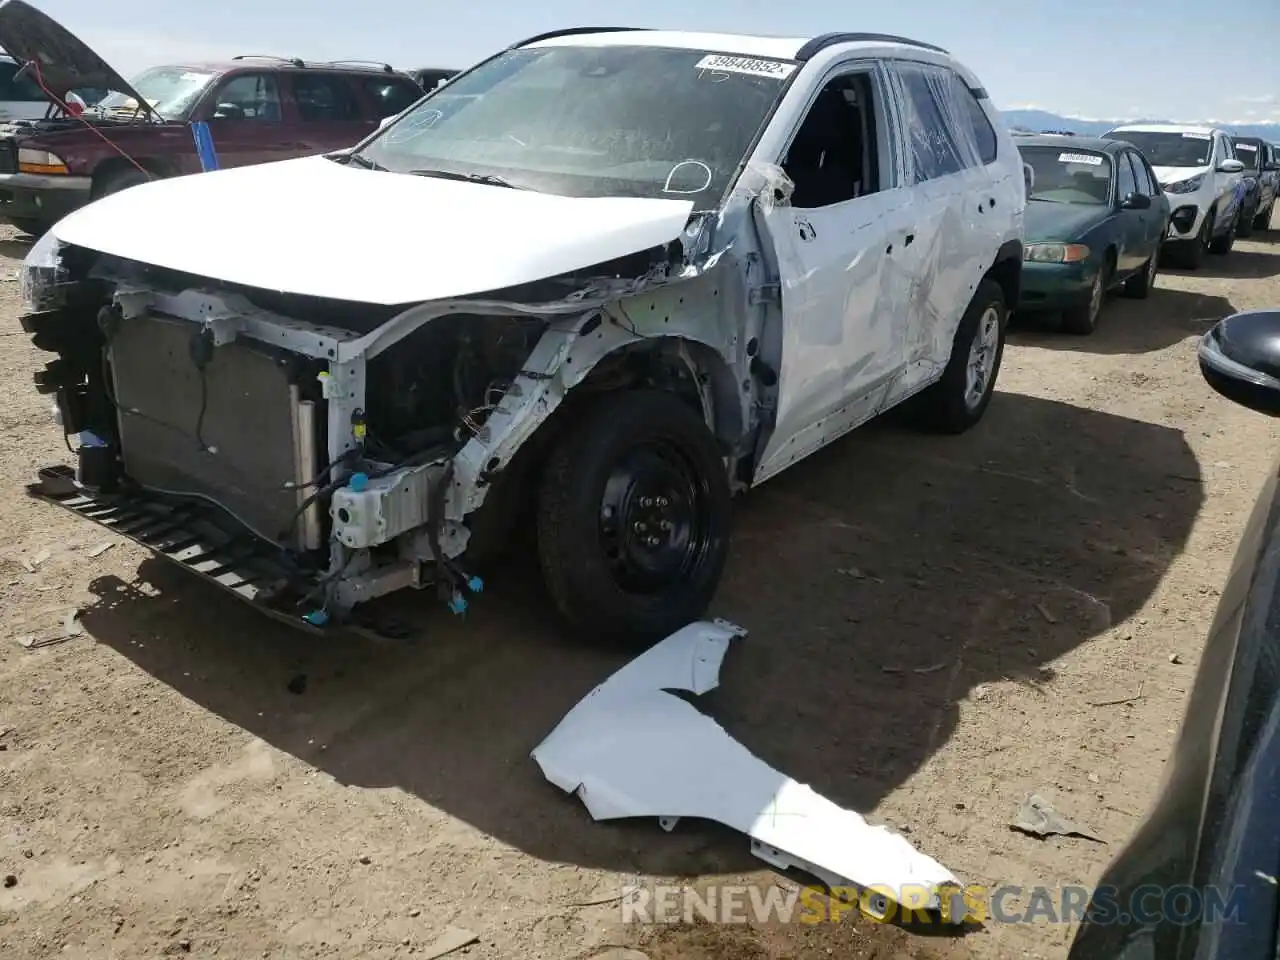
{"type": "Point", "coordinates": [1061, 222]}
{"type": "Point", "coordinates": [65, 62]}
{"type": "Point", "coordinates": [315, 227]}
{"type": "Point", "coordinates": [1168, 175]}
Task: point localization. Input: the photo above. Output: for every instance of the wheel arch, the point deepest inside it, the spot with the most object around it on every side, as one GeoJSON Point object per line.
{"type": "Point", "coordinates": [1006, 271]}
{"type": "Point", "coordinates": [108, 168]}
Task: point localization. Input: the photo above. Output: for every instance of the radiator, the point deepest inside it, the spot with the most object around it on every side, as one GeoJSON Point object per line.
{"type": "Point", "coordinates": [250, 442]}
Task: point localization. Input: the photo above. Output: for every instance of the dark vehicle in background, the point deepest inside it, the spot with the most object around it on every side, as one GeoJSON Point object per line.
{"type": "Point", "coordinates": [1213, 836]}
{"type": "Point", "coordinates": [258, 109]}
{"type": "Point", "coordinates": [1095, 220]}
{"type": "Point", "coordinates": [428, 78]}
{"type": "Point", "coordinates": [1261, 182]}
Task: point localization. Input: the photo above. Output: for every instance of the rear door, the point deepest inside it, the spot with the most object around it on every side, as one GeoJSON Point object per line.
{"type": "Point", "coordinates": [387, 96]}
{"type": "Point", "coordinates": [1156, 219]}
{"type": "Point", "coordinates": [328, 110]}
{"type": "Point", "coordinates": [953, 216]}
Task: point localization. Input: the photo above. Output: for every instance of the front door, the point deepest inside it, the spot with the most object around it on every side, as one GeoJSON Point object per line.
{"type": "Point", "coordinates": [835, 243]}
{"type": "Point", "coordinates": [1155, 219]}
{"type": "Point", "coordinates": [1133, 222]}
{"type": "Point", "coordinates": [248, 121]}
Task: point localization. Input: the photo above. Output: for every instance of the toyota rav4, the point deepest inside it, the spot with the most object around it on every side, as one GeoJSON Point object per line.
{"type": "Point", "coordinates": [613, 276]}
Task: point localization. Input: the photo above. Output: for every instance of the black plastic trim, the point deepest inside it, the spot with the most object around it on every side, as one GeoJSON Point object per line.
{"type": "Point", "coordinates": [818, 44]}
{"type": "Point", "coordinates": [573, 32]}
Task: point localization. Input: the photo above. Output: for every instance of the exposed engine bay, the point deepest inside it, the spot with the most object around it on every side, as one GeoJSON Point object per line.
{"type": "Point", "coordinates": [312, 465]}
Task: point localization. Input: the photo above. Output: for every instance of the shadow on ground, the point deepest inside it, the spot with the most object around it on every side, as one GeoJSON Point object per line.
{"type": "Point", "coordinates": [1243, 263]}
{"type": "Point", "coordinates": [1166, 317]}
{"type": "Point", "coordinates": [880, 580]}
{"type": "Point", "coordinates": [16, 248]}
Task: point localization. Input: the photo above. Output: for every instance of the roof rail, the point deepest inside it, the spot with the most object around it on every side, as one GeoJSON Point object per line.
{"type": "Point", "coordinates": [384, 67]}
{"type": "Point", "coordinates": [296, 61]}
{"type": "Point", "coordinates": [818, 44]}
{"type": "Point", "coordinates": [572, 32]}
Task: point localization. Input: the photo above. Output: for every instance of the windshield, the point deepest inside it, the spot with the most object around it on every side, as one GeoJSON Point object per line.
{"type": "Point", "coordinates": [592, 122]}
{"type": "Point", "coordinates": [171, 91]}
{"type": "Point", "coordinates": [1069, 176]}
{"type": "Point", "coordinates": [1169, 149]}
{"type": "Point", "coordinates": [1247, 152]}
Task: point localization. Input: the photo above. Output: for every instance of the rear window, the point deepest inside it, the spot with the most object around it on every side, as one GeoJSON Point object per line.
{"type": "Point", "coordinates": [21, 90]}
{"type": "Point", "coordinates": [324, 98]}
{"type": "Point", "coordinates": [391, 95]}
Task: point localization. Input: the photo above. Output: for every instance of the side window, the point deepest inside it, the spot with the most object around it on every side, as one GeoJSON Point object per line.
{"type": "Point", "coordinates": [324, 98]}
{"type": "Point", "coordinates": [834, 154]}
{"type": "Point", "coordinates": [1128, 183]}
{"type": "Point", "coordinates": [390, 96]}
{"type": "Point", "coordinates": [248, 96]}
{"type": "Point", "coordinates": [23, 90]}
{"type": "Point", "coordinates": [1145, 186]}
{"type": "Point", "coordinates": [933, 150]}
{"type": "Point", "coordinates": [984, 135]}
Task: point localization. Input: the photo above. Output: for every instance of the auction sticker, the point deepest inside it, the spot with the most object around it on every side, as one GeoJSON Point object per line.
{"type": "Point", "coordinates": [1091, 159]}
{"type": "Point", "coordinates": [751, 66]}
{"type": "Point", "coordinates": [1196, 136]}
{"type": "Point", "coordinates": [1251, 148]}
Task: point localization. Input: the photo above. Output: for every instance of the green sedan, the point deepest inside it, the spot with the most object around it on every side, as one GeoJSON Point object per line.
{"type": "Point", "coordinates": [1095, 219]}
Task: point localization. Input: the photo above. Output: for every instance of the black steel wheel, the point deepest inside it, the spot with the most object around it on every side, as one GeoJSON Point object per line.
{"type": "Point", "coordinates": [633, 518]}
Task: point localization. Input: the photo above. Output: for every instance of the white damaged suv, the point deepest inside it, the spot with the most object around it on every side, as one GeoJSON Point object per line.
{"type": "Point", "coordinates": [594, 285]}
{"type": "Point", "coordinates": [1198, 170]}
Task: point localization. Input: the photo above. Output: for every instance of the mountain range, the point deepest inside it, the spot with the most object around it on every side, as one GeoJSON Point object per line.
{"type": "Point", "coordinates": [1040, 120]}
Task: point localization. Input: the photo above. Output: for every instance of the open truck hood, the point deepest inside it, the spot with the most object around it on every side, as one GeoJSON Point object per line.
{"type": "Point", "coordinates": [319, 228]}
{"type": "Point", "coordinates": [65, 62]}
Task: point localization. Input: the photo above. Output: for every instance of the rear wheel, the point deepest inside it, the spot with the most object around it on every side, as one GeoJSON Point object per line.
{"type": "Point", "coordinates": [959, 399]}
{"type": "Point", "coordinates": [633, 518]}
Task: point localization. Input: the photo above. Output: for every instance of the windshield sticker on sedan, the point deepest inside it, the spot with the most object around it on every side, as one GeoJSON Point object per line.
{"type": "Point", "coordinates": [1090, 159]}
{"type": "Point", "coordinates": [749, 65]}
{"type": "Point", "coordinates": [1247, 146]}
{"type": "Point", "coordinates": [1196, 136]}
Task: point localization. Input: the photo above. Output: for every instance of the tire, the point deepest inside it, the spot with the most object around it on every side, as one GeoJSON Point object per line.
{"type": "Point", "coordinates": [639, 459]}
{"type": "Point", "coordinates": [121, 180]}
{"type": "Point", "coordinates": [1244, 224]}
{"type": "Point", "coordinates": [950, 405]}
{"type": "Point", "coordinates": [34, 228]}
{"type": "Point", "coordinates": [1263, 220]}
{"type": "Point", "coordinates": [1221, 246]}
{"type": "Point", "coordinates": [1139, 285]}
{"type": "Point", "coordinates": [1191, 254]}
{"type": "Point", "coordinates": [1082, 321]}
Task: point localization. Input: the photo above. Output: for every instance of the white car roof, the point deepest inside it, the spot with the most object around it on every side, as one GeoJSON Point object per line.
{"type": "Point", "coordinates": [1164, 128]}
{"type": "Point", "coordinates": [739, 44]}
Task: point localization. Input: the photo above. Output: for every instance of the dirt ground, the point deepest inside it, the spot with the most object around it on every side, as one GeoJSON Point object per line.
{"type": "Point", "coordinates": [930, 623]}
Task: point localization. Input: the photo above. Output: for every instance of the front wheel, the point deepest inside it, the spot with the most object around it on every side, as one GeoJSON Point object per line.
{"type": "Point", "coordinates": [121, 180]}
{"type": "Point", "coordinates": [1263, 220]}
{"type": "Point", "coordinates": [1221, 246]}
{"type": "Point", "coordinates": [633, 518]}
{"type": "Point", "coordinates": [959, 399]}
{"type": "Point", "coordinates": [1083, 320]}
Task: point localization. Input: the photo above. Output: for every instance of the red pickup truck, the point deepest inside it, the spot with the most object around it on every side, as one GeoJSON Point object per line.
{"type": "Point", "coordinates": [257, 109]}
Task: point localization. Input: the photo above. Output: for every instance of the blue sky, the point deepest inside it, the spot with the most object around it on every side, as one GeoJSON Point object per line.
{"type": "Point", "coordinates": [1171, 59]}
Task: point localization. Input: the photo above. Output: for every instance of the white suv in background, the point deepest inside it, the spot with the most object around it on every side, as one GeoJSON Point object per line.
{"type": "Point", "coordinates": [1198, 170]}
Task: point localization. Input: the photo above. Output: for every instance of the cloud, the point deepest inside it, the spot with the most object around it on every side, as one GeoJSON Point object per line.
{"type": "Point", "coordinates": [1264, 98]}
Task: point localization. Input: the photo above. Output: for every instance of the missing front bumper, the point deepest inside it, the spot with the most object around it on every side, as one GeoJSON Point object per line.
{"type": "Point", "coordinates": [194, 535]}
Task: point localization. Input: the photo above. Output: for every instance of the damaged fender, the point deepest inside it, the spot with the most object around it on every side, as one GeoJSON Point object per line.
{"type": "Point", "coordinates": [632, 749]}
